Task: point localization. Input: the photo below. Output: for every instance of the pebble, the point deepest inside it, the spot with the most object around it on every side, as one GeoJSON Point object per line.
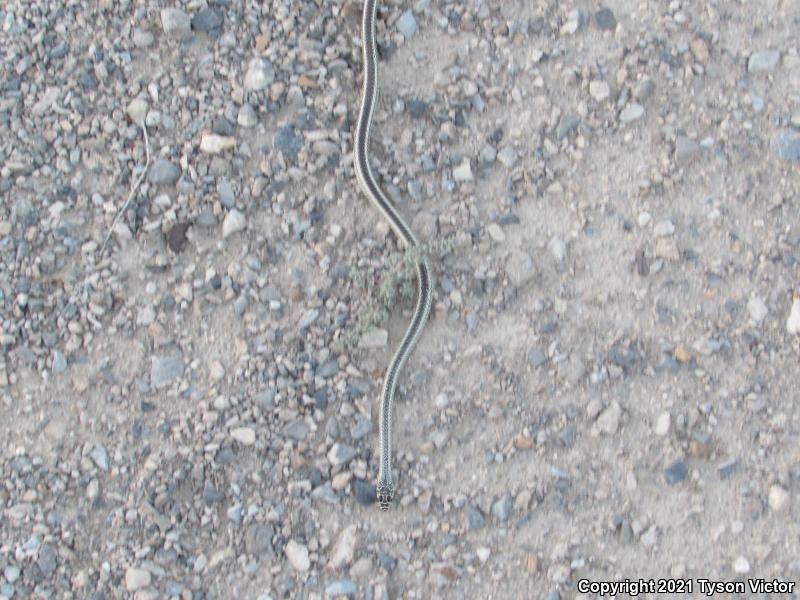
{"type": "Point", "coordinates": [608, 421]}
{"type": "Point", "coordinates": [234, 222]}
{"type": "Point", "coordinates": [137, 110]}
{"type": "Point", "coordinates": [407, 24]}
{"type": "Point", "coordinates": [676, 472]}
{"type": "Point", "coordinates": [483, 553]}
{"type": "Point", "coordinates": [507, 157]}
{"type": "Point", "coordinates": [763, 61]}
{"type": "Point", "coordinates": [297, 554]}
{"type": "Point", "coordinates": [226, 196]}
{"type": "Point", "coordinates": [792, 322]}
{"type": "Point", "coordinates": [536, 358]}
{"type": "Point", "coordinates": [175, 22]}
{"type": "Point", "coordinates": [208, 20]}
{"type": "Point", "coordinates": [496, 232]}
{"type": "Point", "coordinates": [343, 551]}
{"type": "Point", "coordinates": [520, 268]}
{"type": "Point", "coordinates": [599, 90]}
{"type": "Point", "coordinates": [501, 509]}
{"type": "Point", "coordinates": [287, 142]}
{"type": "Point", "coordinates": [340, 454]}
{"type": "Point", "coordinates": [136, 579]}
{"type": "Point", "coordinates": [212, 143]}
{"type": "Point", "coordinates": [662, 424]}
{"type": "Point", "coordinates": [758, 310]}
{"type": "Point", "coordinates": [487, 155]}
{"type": "Point", "coordinates": [741, 565]}
{"type": "Point", "coordinates": [308, 318]}
{"type": "Point", "coordinates": [364, 492]}
{"type": "Point", "coordinates": [632, 112]}
{"type": "Point", "coordinates": [566, 125]}
{"type": "Point", "coordinates": [557, 248]}
{"type": "Point", "coordinates": [100, 457]}
{"type": "Point", "coordinates": [343, 587]}
{"type": "Point", "coordinates": [165, 370]}
{"type": "Point", "coordinates": [686, 150]}
{"type": "Point", "coordinates": [788, 145]}
{"type": "Point", "coordinates": [59, 362]}
{"type": "Point", "coordinates": [778, 498]}
{"type": "Point", "coordinates": [374, 338]}
{"type": "Point", "coordinates": [163, 172]}
{"type": "Point", "coordinates": [605, 19]}
{"type": "Point", "coordinates": [260, 74]}
{"type": "Point", "coordinates": [247, 116]}
{"type": "Point", "coordinates": [463, 172]}
{"type": "Point", "coordinates": [244, 435]}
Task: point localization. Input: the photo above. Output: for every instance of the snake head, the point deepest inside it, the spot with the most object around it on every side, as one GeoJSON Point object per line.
{"type": "Point", "coordinates": [385, 493]}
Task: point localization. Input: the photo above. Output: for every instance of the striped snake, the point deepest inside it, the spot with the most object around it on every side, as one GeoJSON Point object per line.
{"type": "Point", "coordinates": [385, 486]}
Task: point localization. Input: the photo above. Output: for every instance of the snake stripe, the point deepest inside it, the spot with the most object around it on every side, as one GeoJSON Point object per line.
{"type": "Point", "coordinates": [385, 486]}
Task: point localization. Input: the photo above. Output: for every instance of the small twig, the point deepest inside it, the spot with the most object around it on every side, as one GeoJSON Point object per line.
{"type": "Point", "coordinates": [133, 190]}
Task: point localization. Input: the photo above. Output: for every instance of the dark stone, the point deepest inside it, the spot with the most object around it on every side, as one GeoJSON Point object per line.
{"type": "Point", "coordinates": [258, 540]}
{"type": "Point", "coordinates": [287, 142]}
{"type": "Point", "coordinates": [47, 560]}
{"type": "Point", "coordinates": [416, 108]}
{"type": "Point", "coordinates": [364, 492]}
{"type": "Point", "coordinates": [387, 561]}
{"type": "Point", "coordinates": [676, 472]}
{"type": "Point", "coordinates": [727, 468]}
{"type": "Point", "coordinates": [223, 127]}
{"type": "Point", "coordinates": [605, 19]}
{"type": "Point", "coordinates": [88, 81]}
{"type": "Point", "coordinates": [208, 20]}
{"type": "Point", "coordinates": [212, 494]}
{"type": "Point", "coordinates": [176, 238]}
{"type": "Point", "coordinates": [225, 456]}
{"type": "Point", "coordinates": [475, 517]}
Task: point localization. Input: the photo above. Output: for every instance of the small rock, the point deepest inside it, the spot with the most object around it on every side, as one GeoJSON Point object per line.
{"type": "Point", "coordinates": [662, 424]}
{"type": "Point", "coordinates": [566, 124]}
{"type": "Point", "coordinates": [374, 338]}
{"type": "Point", "coordinates": [226, 195]}
{"type": "Point", "coordinates": [340, 454]}
{"type": "Point", "coordinates": [536, 358]}
{"type": "Point", "coordinates": [165, 369]}
{"type": "Point", "coordinates": [258, 540]}
{"type": "Point", "coordinates": [175, 22]}
{"type": "Point", "coordinates": [163, 172]}
{"type": "Point", "coordinates": [608, 421]}
{"type": "Point", "coordinates": [308, 317]}
{"type": "Point", "coordinates": [763, 61]}
{"type": "Point", "coordinates": [100, 457]}
{"type": "Point", "coordinates": [342, 554]}
{"type": "Point", "coordinates": [605, 19]}
{"type": "Point", "coordinates": [247, 116]}
{"type": "Point", "coordinates": [47, 560]}
{"type": "Point", "coordinates": [212, 143]}
{"type": "Point", "coordinates": [407, 24]}
{"type": "Point", "coordinates": [208, 20]}
{"type": "Point", "coordinates": [463, 172]}
{"type": "Point", "coordinates": [260, 74]}
{"type": "Point", "coordinates": [788, 145]}
{"type": "Point", "coordinates": [59, 362]}
{"type": "Point", "coordinates": [142, 38]}
{"type": "Point", "coordinates": [364, 492]}
{"type": "Point", "coordinates": [758, 310]}
{"type": "Point", "coordinates": [520, 268]}
{"type": "Point", "coordinates": [686, 150]}
{"type": "Point", "coordinates": [778, 498]}
{"type": "Point", "coordinates": [507, 157]}
{"type": "Point", "coordinates": [557, 248]}
{"type": "Point", "coordinates": [137, 110]}
{"type": "Point", "coordinates": [343, 587]}
{"type": "Point", "coordinates": [741, 565]}
{"type": "Point", "coordinates": [487, 155]}
{"type": "Point", "coordinates": [287, 142]}
{"type": "Point", "coordinates": [234, 222]}
{"type": "Point", "coordinates": [599, 90]}
{"type": "Point", "coordinates": [244, 435]}
{"type": "Point", "coordinates": [216, 371]}
{"type": "Point", "coordinates": [136, 579]}
{"type": "Point", "coordinates": [502, 508]}
{"type": "Point", "coordinates": [298, 556]}
{"type": "Point", "coordinates": [792, 323]}
{"type": "Point", "coordinates": [676, 472]}
{"type": "Point", "coordinates": [483, 553]}
{"type": "Point", "coordinates": [632, 112]}
{"type": "Point", "coordinates": [496, 232]}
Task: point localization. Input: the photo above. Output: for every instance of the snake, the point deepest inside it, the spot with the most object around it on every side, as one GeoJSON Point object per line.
{"type": "Point", "coordinates": [385, 486]}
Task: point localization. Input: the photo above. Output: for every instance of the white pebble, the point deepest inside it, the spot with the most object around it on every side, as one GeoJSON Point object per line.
{"type": "Point", "coordinates": [778, 498]}
{"type": "Point", "coordinates": [234, 222]}
{"type": "Point", "coordinates": [211, 143]}
{"type": "Point", "coordinates": [793, 322]}
{"type": "Point", "coordinates": [741, 565]}
{"type": "Point", "coordinates": [483, 553]}
{"type": "Point", "coordinates": [244, 435]}
{"type": "Point", "coordinates": [298, 556]}
{"type": "Point", "coordinates": [662, 424]}
{"type": "Point", "coordinates": [664, 229]}
{"type": "Point", "coordinates": [463, 172]}
{"type": "Point", "coordinates": [136, 579]}
{"type": "Point", "coordinates": [599, 90]}
{"type": "Point", "coordinates": [757, 309]}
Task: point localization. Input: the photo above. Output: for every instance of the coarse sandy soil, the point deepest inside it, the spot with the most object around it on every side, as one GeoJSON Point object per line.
{"type": "Point", "coordinates": [607, 388]}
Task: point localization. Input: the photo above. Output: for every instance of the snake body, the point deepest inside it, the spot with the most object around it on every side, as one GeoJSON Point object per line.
{"type": "Point", "coordinates": [385, 487]}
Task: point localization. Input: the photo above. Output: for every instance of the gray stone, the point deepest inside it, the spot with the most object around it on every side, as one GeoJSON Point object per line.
{"type": "Point", "coordinates": [788, 145]}
{"type": "Point", "coordinates": [676, 472]}
{"type": "Point", "coordinates": [362, 427]}
{"type": "Point", "coordinates": [47, 560]}
{"type": "Point", "coordinates": [407, 24]}
{"type": "Point", "coordinates": [165, 369]}
{"type": "Point", "coordinates": [208, 20]}
{"type": "Point", "coordinates": [502, 508]}
{"type": "Point", "coordinates": [296, 430]}
{"type": "Point", "coordinates": [487, 155]}
{"type": "Point", "coordinates": [59, 362]}
{"type": "Point", "coordinates": [100, 457]}
{"type": "Point", "coordinates": [507, 156]}
{"type": "Point", "coordinates": [136, 579]}
{"type": "Point", "coordinates": [163, 172]}
{"type": "Point", "coordinates": [686, 150]}
{"type": "Point", "coordinates": [364, 492]}
{"type": "Point", "coordinates": [247, 116]}
{"type": "Point", "coordinates": [175, 22]}
{"type": "Point", "coordinates": [566, 124]}
{"type": "Point", "coordinates": [763, 61]}
{"type": "Point", "coordinates": [258, 540]}
{"type": "Point", "coordinates": [234, 222]}
{"type": "Point", "coordinates": [343, 587]}
{"type": "Point", "coordinates": [520, 268]}
{"type": "Point", "coordinates": [226, 196]}
{"type": "Point", "coordinates": [605, 19]}
{"type": "Point", "coordinates": [341, 454]}
{"type": "Point", "coordinates": [307, 318]}
{"type": "Point", "coordinates": [632, 112]}
{"type": "Point", "coordinates": [536, 358]}
{"type": "Point", "coordinates": [260, 74]}
{"type": "Point", "coordinates": [287, 142]}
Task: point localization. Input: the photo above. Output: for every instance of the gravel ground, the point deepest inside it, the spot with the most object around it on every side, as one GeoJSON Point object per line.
{"type": "Point", "coordinates": [608, 384]}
